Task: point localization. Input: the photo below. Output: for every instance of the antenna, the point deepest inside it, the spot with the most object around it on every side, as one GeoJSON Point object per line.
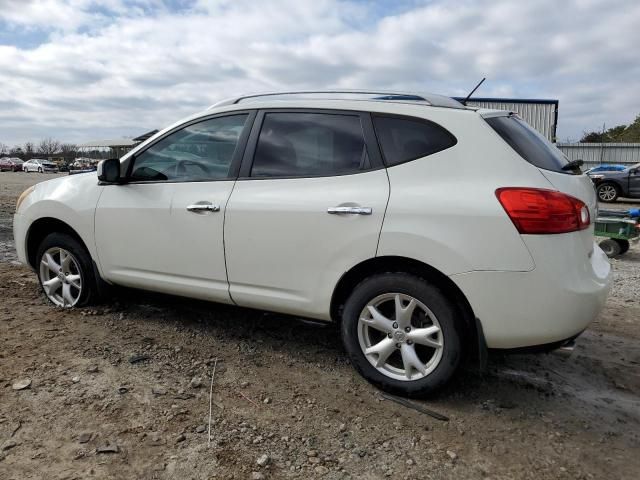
{"type": "Point", "coordinates": [464, 102]}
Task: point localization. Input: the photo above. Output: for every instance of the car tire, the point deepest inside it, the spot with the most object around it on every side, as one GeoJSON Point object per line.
{"type": "Point", "coordinates": [432, 311]}
{"type": "Point", "coordinates": [624, 245]}
{"type": "Point", "coordinates": [66, 292]}
{"type": "Point", "coordinates": [608, 192]}
{"type": "Point", "coordinates": [611, 247]}
{"type": "Point", "coordinates": [39, 170]}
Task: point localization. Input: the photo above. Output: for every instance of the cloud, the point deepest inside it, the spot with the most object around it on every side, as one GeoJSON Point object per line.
{"type": "Point", "coordinates": [116, 67]}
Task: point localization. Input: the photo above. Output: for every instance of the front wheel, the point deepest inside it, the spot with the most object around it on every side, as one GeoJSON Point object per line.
{"type": "Point", "coordinates": [608, 192]}
{"type": "Point", "coordinates": [65, 271]}
{"type": "Point", "coordinates": [400, 334]}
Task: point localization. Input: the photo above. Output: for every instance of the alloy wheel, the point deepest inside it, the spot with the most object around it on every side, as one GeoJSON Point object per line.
{"type": "Point", "coordinates": [607, 193]}
{"type": "Point", "coordinates": [61, 277]}
{"type": "Point", "coordinates": [400, 336]}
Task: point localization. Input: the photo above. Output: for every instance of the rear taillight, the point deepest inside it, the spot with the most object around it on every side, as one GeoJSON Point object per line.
{"type": "Point", "coordinates": [540, 211]}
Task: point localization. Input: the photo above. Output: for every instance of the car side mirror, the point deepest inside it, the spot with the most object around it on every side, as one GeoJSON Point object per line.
{"type": "Point", "coordinates": [109, 170]}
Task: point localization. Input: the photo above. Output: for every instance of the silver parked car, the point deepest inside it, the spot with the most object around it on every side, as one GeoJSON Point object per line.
{"type": "Point", "coordinates": [39, 165]}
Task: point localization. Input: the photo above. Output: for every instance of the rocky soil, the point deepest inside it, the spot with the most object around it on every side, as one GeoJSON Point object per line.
{"type": "Point", "coordinates": [122, 391]}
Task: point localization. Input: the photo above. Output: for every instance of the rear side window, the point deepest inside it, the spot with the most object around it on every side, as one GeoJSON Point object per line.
{"type": "Point", "coordinates": [309, 144]}
{"type": "Point", "coordinates": [529, 144]}
{"type": "Point", "coordinates": [403, 139]}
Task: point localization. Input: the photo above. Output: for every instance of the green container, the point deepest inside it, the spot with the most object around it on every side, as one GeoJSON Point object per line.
{"type": "Point", "coordinates": [620, 228]}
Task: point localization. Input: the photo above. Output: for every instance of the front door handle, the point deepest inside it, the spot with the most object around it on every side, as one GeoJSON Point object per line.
{"type": "Point", "coordinates": [203, 208]}
{"type": "Point", "coordinates": [349, 210]}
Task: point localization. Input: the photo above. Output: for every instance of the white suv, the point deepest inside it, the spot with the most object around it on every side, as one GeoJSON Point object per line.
{"type": "Point", "coordinates": [430, 231]}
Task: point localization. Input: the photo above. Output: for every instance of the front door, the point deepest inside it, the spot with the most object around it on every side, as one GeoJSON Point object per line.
{"type": "Point", "coordinates": [308, 206]}
{"type": "Point", "coordinates": [163, 229]}
{"type": "Point", "coordinates": [634, 182]}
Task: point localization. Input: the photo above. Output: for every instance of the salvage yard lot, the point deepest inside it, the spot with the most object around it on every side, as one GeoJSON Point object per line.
{"type": "Point", "coordinates": [122, 390]}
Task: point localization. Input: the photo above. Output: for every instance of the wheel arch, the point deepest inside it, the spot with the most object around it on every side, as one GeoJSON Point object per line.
{"type": "Point", "coordinates": [42, 227]}
{"type": "Point", "coordinates": [473, 335]}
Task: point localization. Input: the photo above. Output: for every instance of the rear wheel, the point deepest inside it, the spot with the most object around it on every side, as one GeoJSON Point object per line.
{"type": "Point", "coordinates": [608, 192]}
{"type": "Point", "coordinates": [65, 271]}
{"type": "Point", "coordinates": [400, 334]}
{"type": "Point", "coordinates": [611, 247]}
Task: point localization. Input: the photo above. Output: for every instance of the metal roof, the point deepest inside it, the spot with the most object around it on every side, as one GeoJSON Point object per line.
{"type": "Point", "coordinates": [120, 142]}
{"type": "Point", "coordinates": [333, 94]}
{"type": "Point", "coordinates": [145, 136]}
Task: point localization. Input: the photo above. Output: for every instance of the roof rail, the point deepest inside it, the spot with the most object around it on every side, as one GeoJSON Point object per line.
{"type": "Point", "coordinates": [430, 99]}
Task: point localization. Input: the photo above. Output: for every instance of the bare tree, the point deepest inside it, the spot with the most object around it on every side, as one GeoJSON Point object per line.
{"type": "Point", "coordinates": [68, 151]}
{"type": "Point", "coordinates": [4, 149]}
{"type": "Point", "coordinates": [17, 152]}
{"type": "Point", "coordinates": [28, 150]}
{"type": "Point", "coordinates": [48, 146]}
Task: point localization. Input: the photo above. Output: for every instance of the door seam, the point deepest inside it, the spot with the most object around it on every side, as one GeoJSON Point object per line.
{"type": "Point", "coordinates": [224, 241]}
{"type": "Point", "coordinates": [384, 215]}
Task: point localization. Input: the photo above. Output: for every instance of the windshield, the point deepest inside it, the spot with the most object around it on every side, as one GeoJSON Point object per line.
{"type": "Point", "coordinates": [529, 143]}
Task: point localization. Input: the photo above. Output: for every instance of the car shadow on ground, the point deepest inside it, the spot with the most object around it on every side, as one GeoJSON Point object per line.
{"type": "Point", "coordinates": [590, 382]}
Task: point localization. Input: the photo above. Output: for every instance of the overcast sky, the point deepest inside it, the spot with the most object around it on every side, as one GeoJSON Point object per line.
{"type": "Point", "coordinates": [84, 69]}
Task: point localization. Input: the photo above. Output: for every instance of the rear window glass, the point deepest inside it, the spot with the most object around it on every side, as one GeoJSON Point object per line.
{"type": "Point", "coordinates": [529, 143]}
{"type": "Point", "coordinates": [403, 139]}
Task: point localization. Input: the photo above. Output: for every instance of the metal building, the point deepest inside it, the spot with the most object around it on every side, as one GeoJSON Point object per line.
{"type": "Point", "coordinates": [596, 153]}
{"type": "Point", "coordinates": [541, 114]}
{"type": "Point", "coordinates": [99, 149]}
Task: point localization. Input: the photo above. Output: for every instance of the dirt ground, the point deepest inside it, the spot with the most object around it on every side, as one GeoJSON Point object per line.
{"type": "Point", "coordinates": [122, 391]}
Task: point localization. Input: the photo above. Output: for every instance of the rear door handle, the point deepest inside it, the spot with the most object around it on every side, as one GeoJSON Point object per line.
{"type": "Point", "coordinates": [349, 210]}
{"type": "Point", "coordinates": [203, 207]}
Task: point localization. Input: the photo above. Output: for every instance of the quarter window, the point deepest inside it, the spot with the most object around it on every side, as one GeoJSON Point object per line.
{"type": "Point", "coordinates": [529, 143]}
{"type": "Point", "coordinates": [309, 144]}
{"type": "Point", "coordinates": [403, 139]}
{"type": "Point", "coordinates": [199, 152]}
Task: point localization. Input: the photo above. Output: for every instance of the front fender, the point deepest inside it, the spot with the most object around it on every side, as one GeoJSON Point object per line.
{"type": "Point", "coordinates": [71, 200]}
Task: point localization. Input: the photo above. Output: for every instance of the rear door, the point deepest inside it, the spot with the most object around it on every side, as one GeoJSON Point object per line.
{"type": "Point", "coordinates": [308, 206]}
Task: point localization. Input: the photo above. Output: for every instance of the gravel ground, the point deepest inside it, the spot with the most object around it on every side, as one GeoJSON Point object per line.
{"type": "Point", "coordinates": [122, 391]}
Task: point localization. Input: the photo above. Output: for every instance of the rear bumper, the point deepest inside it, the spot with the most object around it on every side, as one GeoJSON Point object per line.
{"type": "Point", "coordinates": [550, 304]}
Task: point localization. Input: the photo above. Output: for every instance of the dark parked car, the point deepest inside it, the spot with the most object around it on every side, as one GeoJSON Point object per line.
{"type": "Point", "coordinates": [611, 185]}
{"type": "Point", "coordinates": [10, 164]}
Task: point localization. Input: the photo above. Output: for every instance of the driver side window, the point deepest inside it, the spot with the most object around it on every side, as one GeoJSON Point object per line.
{"type": "Point", "coordinates": [199, 152]}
